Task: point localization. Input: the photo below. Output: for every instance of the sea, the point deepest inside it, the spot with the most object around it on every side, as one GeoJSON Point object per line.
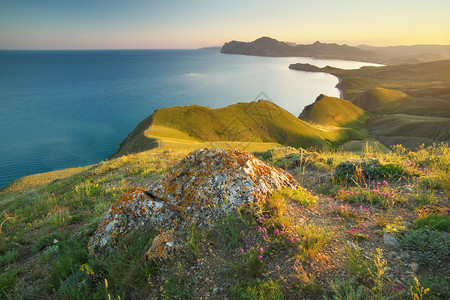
{"type": "Point", "coordinates": [62, 109]}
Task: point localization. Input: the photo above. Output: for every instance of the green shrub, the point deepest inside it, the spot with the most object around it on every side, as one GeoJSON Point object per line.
{"type": "Point", "coordinates": [424, 197]}
{"type": "Point", "coordinates": [261, 290]}
{"type": "Point", "coordinates": [357, 263]}
{"type": "Point", "coordinates": [177, 285]}
{"type": "Point", "coordinates": [439, 288]}
{"type": "Point", "coordinates": [361, 170]}
{"type": "Point", "coordinates": [48, 240]}
{"type": "Point", "coordinates": [345, 290]}
{"type": "Point", "coordinates": [436, 222]}
{"type": "Point", "coordinates": [229, 236]}
{"type": "Point", "coordinates": [8, 279]}
{"type": "Point", "coordinates": [254, 264]}
{"type": "Point", "coordinates": [311, 239]}
{"type": "Point", "coordinates": [431, 246]}
{"type": "Point", "coordinates": [9, 256]}
{"type": "Point", "coordinates": [356, 170]}
{"type": "Point", "coordinates": [431, 182]}
{"type": "Point", "coordinates": [76, 286]}
{"type": "Point", "coordinates": [300, 196]}
{"type": "Point", "coordinates": [390, 170]}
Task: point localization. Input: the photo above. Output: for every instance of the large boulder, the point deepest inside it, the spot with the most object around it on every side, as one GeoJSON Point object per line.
{"type": "Point", "coordinates": [202, 187]}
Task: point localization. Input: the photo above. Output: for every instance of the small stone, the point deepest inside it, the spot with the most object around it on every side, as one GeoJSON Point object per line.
{"type": "Point", "coordinates": [405, 256]}
{"type": "Point", "coordinates": [215, 290]}
{"type": "Point", "coordinates": [414, 267]}
{"type": "Point", "coordinates": [389, 239]}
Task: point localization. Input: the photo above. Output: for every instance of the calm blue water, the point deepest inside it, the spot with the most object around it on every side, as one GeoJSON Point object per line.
{"type": "Point", "coordinates": [61, 109]}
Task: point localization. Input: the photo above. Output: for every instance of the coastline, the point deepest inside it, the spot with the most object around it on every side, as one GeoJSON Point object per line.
{"type": "Point", "coordinates": [341, 91]}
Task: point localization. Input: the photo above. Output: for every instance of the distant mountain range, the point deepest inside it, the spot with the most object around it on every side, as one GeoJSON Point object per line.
{"type": "Point", "coordinates": [266, 46]}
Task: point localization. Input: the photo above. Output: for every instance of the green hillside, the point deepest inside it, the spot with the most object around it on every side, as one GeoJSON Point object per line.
{"type": "Point", "coordinates": [410, 131]}
{"type": "Point", "coordinates": [260, 123]}
{"type": "Point", "coordinates": [377, 98]}
{"type": "Point", "coordinates": [411, 102]}
{"type": "Point", "coordinates": [331, 111]}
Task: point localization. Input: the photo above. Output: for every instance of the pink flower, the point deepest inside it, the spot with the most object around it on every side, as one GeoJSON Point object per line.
{"type": "Point", "coordinates": [276, 231]}
{"type": "Point", "coordinates": [385, 183]}
{"type": "Point", "coordinates": [261, 250]}
{"type": "Point", "coordinates": [259, 257]}
{"type": "Point", "coordinates": [241, 250]}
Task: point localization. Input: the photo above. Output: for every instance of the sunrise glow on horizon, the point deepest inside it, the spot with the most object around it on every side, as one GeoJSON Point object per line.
{"type": "Point", "coordinates": [139, 24]}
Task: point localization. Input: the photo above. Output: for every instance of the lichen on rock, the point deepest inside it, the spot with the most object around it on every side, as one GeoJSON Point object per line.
{"type": "Point", "coordinates": [202, 187]}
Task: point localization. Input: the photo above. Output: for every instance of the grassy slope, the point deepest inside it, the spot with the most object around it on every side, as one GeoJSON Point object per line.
{"type": "Point", "coordinates": [333, 111]}
{"type": "Point", "coordinates": [404, 92]}
{"type": "Point", "coordinates": [48, 224]}
{"type": "Point", "coordinates": [261, 124]}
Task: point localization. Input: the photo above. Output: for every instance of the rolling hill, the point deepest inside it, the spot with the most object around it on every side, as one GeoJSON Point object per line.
{"type": "Point", "coordinates": [260, 124]}
{"type": "Point", "coordinates": [412, 101]}
{"type": "Point", "coordinates": [331, 111]}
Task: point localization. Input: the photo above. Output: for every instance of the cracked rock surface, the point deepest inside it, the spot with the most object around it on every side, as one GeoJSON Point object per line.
{"type": "Point", "coordinates": [202, 187]}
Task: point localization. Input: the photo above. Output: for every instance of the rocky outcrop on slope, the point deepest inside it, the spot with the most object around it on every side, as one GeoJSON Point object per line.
{"type": "Point", "coordinates": [204, 186]}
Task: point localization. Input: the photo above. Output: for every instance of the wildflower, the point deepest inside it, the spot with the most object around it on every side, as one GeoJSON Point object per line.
{"type": "Point", "coordinates": [241, 250]}
{"type": "Point", "coordinates": [261, 250]}
{"type": "Point", "coordinates": [385, 183]}
{"type": "Point", "coordinates": [276, 231]}
{"type": "Point", "coordinates": [274, 210]}
{"type": "Point", "coordinates": [244, 240]}
{"type": "Point", "coordinates": [401, 287]}
{"type": "Point", "coordinates": [259, 257]}
{"type": "Point", "coordinates": [291, 240]}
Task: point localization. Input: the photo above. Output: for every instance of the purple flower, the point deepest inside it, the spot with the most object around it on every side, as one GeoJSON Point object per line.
{"type": "Point", "coordinates": [401, 287]}
{"type": "Point", "coordinates": [259, 257]}
{"type": "Point", "coordinates": [244, 240]}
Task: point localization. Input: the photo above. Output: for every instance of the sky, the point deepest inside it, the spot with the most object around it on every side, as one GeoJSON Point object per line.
{"type": "Point", "coordinates": [190, 24]}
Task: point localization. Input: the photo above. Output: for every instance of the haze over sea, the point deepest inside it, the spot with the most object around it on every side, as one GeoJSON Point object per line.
{"type": "Point", "coordinates": [61, 109]}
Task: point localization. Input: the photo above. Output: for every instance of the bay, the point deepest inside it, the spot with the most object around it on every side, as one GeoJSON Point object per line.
{"type": "Point", "coordinates": [61, 109]}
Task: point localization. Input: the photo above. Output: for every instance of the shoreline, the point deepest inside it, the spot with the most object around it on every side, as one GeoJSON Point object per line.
{"type": "Point", "coordinates": [341, 91]}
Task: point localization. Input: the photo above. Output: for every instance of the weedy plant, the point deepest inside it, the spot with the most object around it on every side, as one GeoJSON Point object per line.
{"type": "Point", "coordinates": [344, 289]}
{"type": "Point", "coordinates": [377, 274]}
{"type": "Point", "coordinates": [310, 240]}
{"type": "Point", "coordinates": [417, 291]}
{"type": "Point", "coordinates": [257, 290]}
{"type": "Point", "coordinates": [359, 266]}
